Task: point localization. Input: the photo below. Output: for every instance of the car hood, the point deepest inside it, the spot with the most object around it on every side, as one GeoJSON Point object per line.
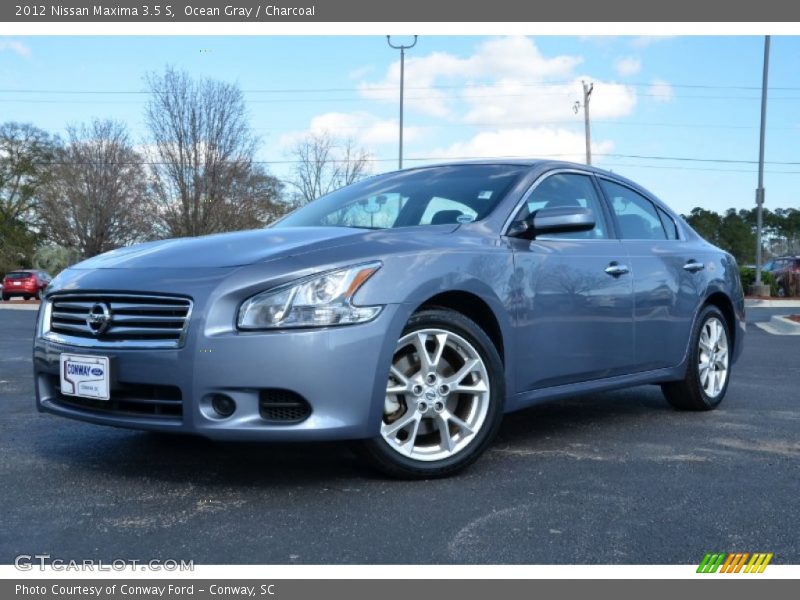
{"type": "Point", "coordinates": [229, 249]}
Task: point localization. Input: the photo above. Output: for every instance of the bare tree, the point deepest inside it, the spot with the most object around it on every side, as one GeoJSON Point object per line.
{"type": "Point", "coordinates": [205, 177]}
{"type": "Point", "coordinates": [97, 196]}
{"type": "Point", "coordinates": [25, 152]}
{"type": "Point", "coordinates": [324, 163]}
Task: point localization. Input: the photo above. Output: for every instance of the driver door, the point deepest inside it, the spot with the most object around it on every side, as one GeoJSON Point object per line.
{"type": "Point", "coordinates": [571, 296]}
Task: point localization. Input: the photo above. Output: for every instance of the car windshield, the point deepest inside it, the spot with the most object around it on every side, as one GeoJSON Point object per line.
{"type": "Point", "coordinates": [18, 275]}
{"type": "Point", "coordinates": [427, 196]}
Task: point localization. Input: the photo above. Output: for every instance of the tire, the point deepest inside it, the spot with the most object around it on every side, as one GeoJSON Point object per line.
{"type": "Point", "coordinates": [26, 297]}
{"type": "Point", "coordinates": [704, 388]}
{"type": "Point", "coordinates": [38, 295]}
{"type": "Point", "coordinates": [6, 298]}
{"type": "Point", "coordinates": [428, 429]}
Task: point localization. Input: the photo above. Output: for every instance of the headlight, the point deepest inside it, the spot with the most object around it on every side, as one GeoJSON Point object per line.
{"type": "Point", "coordinates": [315, 302]}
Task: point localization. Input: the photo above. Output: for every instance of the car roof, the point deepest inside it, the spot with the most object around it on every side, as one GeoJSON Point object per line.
{"type": "Point", "coordinates": [543, 163]}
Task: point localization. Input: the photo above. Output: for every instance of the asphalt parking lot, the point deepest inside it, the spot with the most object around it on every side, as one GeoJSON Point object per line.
{"type": "Point", "coordinates": [617, 477]}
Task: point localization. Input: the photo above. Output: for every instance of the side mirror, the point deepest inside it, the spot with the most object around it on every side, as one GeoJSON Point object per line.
{"type": "Point", "coordinates": [553, 220]}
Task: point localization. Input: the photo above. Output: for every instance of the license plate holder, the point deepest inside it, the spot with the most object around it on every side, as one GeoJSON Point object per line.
{"type": "Point", "coordinates": [85, 376]}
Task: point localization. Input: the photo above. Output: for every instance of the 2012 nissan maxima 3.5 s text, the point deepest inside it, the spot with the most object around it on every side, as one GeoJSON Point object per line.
{"type": "Point", "coordinates": [408, 311]}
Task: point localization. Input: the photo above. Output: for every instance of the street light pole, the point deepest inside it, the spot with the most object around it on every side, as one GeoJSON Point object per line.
{"type": "Point", "coordinates": [402, 49]}
{"type": "Point", "coordinates": [760, 189]}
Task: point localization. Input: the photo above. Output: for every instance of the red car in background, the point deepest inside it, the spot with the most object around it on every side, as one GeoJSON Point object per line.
{"type": "Point", "coordinates": [786, 271]}
{"type": "Point", "coordinates": [26, 283]}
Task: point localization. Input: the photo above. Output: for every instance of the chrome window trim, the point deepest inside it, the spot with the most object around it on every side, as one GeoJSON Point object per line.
{"type": "Point", "coordinates": [82, 342]}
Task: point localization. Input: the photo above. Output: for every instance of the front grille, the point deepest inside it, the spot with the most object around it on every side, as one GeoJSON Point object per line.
{"type": "Point", "coordinates": [140, 400]}
{"type": "Point", "coordinates": [282, 406]}
{"type": "Point", "coordinates": [119, 319]}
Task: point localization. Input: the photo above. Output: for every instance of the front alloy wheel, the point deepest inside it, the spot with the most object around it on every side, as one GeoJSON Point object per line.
{"type": "Point", "coordinates": [443, 397]}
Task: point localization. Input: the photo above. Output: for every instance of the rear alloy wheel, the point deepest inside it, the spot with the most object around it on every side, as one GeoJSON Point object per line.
{"type": "Point", "coordinates": [444, 398]}
{"type": "Point", "coordinates": [707, 373]}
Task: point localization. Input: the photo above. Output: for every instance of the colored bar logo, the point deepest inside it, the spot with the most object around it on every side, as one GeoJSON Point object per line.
{"type": "Point", "coordinates": [734, 562]}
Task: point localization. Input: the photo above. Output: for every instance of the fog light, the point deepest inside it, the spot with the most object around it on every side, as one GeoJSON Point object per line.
{"type": "Point", "coordinates": [223, 405]}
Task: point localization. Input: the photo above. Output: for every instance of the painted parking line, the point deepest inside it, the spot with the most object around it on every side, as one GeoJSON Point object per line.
{"type": "Point", "coordinates": [780, 325]}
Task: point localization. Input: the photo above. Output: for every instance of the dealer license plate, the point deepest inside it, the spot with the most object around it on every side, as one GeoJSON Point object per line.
{"type": "Point", "coordinates": [85, 376]}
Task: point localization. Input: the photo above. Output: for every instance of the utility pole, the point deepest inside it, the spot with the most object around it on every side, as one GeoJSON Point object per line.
{"type": "Point", "coordinates": [587, 95]}
{"type": "Point", "coordinates": [402, 49]}
{"type": "Point", "coordinates": [760, 188]}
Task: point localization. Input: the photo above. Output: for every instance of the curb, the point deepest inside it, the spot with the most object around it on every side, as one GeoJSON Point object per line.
{"type": "Point", "coordinates": [779, 325]}
{"type": "Point", "coordinates": [777, 303]}
{"type": "Point", "coordinates": [20, 306]}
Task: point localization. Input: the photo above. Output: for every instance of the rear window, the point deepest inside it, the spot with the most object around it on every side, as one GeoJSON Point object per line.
{"type": "Point", "coordinates": [18, 275]}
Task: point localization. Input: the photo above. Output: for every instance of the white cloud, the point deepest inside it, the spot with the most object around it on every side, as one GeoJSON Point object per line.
{"type": "Point", "coordinates": [534, 142]}
{"type": "Point", "coordinates": [524, 87]}
{"type": "Point", "coordinates": [643, 41]}
{"type": "Point", "coordinates": [627, 66]}
{"type": "Point", "coordinates": [360, 72]}
{"type": "Point", "coordinates": [364, 127]}
{"type": "Point", "coordinates": [520, 100]}
{"type": "Point", "coordinates": [508, 59]}
{"type": "Point", "coordinates": [514, 103]}
{"type": "Point", "coordinates": [17, 48]}
{"type": "Point", "coordinates": [661, 91]}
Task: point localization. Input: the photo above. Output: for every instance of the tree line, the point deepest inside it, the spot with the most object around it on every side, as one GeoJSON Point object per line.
{"type": "Point", "coordinates": [735, 231]}
{"type": "Point", "coordinates": [66, 198]}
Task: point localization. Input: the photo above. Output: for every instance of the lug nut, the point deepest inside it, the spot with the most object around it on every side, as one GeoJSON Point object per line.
{"type": "Point", "coordinates": [444, 389]}
{"type": "Point", "coordinates": [431, 378]}
{"type": "Point", "coordinates": [417, 390]}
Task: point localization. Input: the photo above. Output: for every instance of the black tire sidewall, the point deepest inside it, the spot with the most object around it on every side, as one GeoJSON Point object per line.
{"type": "Point", "coordinates": [393, 462]}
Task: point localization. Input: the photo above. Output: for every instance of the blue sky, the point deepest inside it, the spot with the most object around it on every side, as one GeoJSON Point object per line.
{"type": "Point", "coordinates": [661, 98]}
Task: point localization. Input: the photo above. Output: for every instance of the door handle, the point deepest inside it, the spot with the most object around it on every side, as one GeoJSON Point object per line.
{"type": "Point", "coordinates": [693, 266]}
{"type": "Point", "coordinates": [615, 269]}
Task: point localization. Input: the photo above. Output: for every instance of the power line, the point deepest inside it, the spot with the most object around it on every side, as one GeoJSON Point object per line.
{"type": "Point", "coordinates": [394, 88]}
{"type": "Point", "coordinates": [458, 158]}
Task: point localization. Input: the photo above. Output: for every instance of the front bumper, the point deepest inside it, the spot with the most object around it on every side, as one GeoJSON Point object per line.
{"type": "Point", "coordinates": [340, 372]}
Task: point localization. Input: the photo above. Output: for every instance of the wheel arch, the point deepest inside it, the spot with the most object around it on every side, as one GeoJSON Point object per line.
{"type": "Point", "coordinates": [473, 307]}
{"type": "Point", "coordinates": [723, 302]}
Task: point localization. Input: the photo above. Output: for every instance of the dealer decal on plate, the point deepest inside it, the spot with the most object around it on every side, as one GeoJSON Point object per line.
{"type": "Point", "coordinates": [85, 376]}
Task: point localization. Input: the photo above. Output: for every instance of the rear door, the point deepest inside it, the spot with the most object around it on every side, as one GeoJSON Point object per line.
{"type": "Point", "coordinates": [570, 296]}
{"type": "Point", "coordinates": [668, 283]}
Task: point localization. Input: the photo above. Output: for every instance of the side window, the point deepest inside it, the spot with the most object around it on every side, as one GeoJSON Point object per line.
{"type": "Point", "coordinates": [443, 210]}
{"type": "Point", "coordinates": [568, 190]}
{"type": "Point", "coordinates": [636, 215]}
{"type": "Point", "coordinates": [669, 224]}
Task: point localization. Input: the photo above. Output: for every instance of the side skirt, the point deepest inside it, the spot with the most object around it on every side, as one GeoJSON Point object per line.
{"type": "Point", "coordinates": [529, 398]}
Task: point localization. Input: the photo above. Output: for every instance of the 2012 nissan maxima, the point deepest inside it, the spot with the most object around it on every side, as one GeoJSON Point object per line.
{"type": "Point", "coordinates": [408, 311]}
